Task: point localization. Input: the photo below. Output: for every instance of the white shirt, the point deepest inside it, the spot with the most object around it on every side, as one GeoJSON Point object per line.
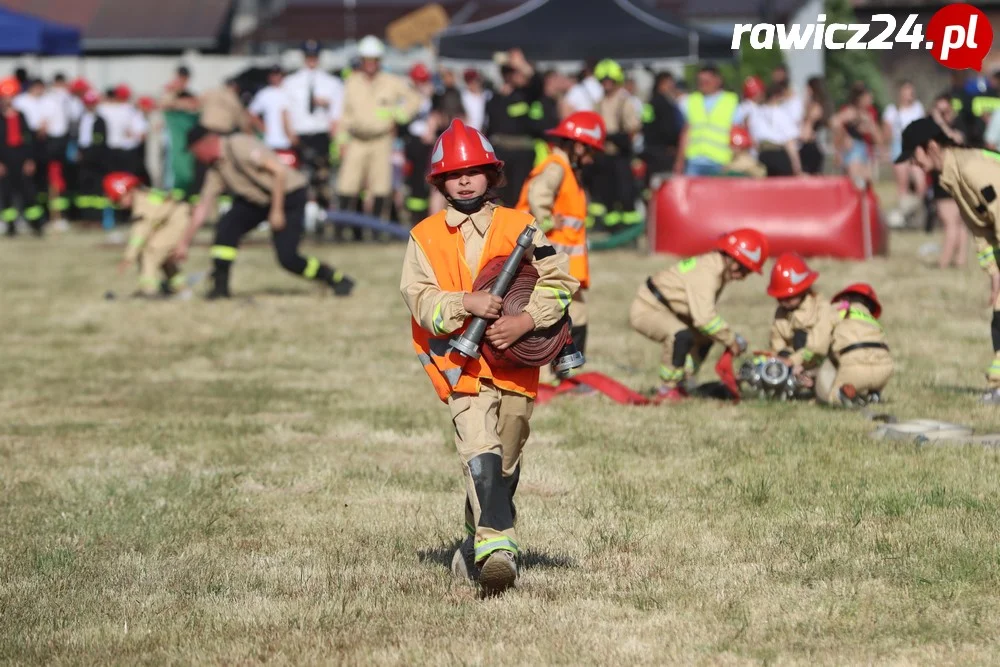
{"type": "Point", "coordinates": [419, 125]}
{"type": "Point", "coordinates": [85, 135]}
{"type": "Point", "coordinates": [55, 110]}
{"type": "Point", "coordinates": [322, 85]}
{"type": "Point", "coordinates": [897, 119]}
{"type": "Point", "coordinates": [585, 95]}
{"type": "Point", "coordinates": [743, 112]}
{"type": "Point", "coordinates": [31, 107]}
{"type": "Point", "coordinates": [119, 119]}
{"type": "Point", "coordinates": [475, 107]}
{"type": "Point", "coordinates": [774, 123]}
{"type": "Point", "coordinates": [76, 109]}
{"type": "Point", "coordinates": [270, 104]}
{"type": "Point", "coordinates": [138, 127]}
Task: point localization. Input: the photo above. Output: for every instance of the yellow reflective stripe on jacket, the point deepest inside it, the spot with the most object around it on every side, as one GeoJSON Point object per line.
{"type": "Point", "coordinates": [986, 257]}
{"type": "Point", "coordinates": [856, 314]}
{"type": "Point", "coordinates": [562, 296]}
{"type": "Point", "coordinates": [439, 321]}
{"type": "Point", "coordinates": [984, 105]}
{"type": "Point", "coordinates": [708, 133]}
{"type": "Point", "coordinates": [715, 326]}
{"type": "Point", "coordinates": [518, 109]}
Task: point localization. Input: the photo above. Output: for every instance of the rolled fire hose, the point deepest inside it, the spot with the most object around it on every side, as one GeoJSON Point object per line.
{"type": "Point", "coordinates": [536, 348]}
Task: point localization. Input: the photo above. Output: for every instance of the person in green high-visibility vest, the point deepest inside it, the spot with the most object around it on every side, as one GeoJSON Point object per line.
{"type": "Point", "coordinates": [704, 147]}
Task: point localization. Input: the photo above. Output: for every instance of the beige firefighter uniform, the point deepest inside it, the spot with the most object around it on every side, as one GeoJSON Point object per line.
{"type": "Point", "coordinates": [804, 334]}
{"type": "Point", "coordinates": [158, 225]}
{"type": "Point", "coordinates": [858, 356]}
{"type": "Point", "coordinates": [972, 177]}
{"type": "Point", "coordinates": [744, 164]}
{"type": "Point", "coordinates": [222, 111]}
{"type": "Point", "coordinates": [619, 115]}
{"type": "Point", "coordinates": [494, 421]}
{"type": "Point", "coordinates": [676, 308]}
{"type": "Point", "coordinates": [373, 106]}
{"type": "Point", "coordinates": [542, 191]}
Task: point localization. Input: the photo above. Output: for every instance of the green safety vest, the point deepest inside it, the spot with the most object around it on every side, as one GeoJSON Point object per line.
{"type": "Point", "coordinates": [708, 134]}
{"type": "Point", "coordinates": [982, 105]}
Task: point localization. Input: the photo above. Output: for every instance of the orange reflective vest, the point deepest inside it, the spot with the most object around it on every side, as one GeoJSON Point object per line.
{"type": "Point", "coordinates": [444, 247]}
{"type": "Point", "coordinates": [571, 204]}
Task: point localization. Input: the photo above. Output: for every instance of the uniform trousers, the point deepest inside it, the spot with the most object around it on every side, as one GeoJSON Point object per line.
{"type": "Point", "coordinates": [491, 428]}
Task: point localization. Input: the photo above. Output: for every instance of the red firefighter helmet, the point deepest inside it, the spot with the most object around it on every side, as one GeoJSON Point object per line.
{"type": "Point", "coordinates": [9, 87]}
{"type": "Point", "coordinates": [752, 87]}
{"type": "Point", "coordinates": [462, 147]}
{"type": "Point", "coordinates": [746, 246]}
{"type": "Point", "coordinates": [420, 74]}
{"type": "Point", "coordinates": [123, 93]}
{"type": "Point", "coordinates": [790, 276]}
{"type": "Point", "coordinates": [739, 137]}
{"type": "Point", "coordinates": [861, 289]}
{"type": "Point", "coordinates": [586, 127]}
{"type": "Point", "coordinates": [118, 183]}
{"type": "Point", "coordinates": [79, 86]}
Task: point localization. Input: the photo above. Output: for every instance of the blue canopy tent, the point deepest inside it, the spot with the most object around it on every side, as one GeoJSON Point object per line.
{"type": "Point", "coordinates": [23, 33]}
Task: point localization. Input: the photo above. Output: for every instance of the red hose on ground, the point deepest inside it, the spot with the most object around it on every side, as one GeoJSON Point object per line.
{"type": "Point", "coordinates": [538, 348]}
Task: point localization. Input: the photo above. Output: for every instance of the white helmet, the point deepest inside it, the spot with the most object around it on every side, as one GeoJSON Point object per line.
{"type": "Point", "coordinates": [371, 47]}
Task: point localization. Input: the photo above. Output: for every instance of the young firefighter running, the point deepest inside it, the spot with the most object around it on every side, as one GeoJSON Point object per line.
{"type": "Point", "coordinates": [859, 364]}
{"type": "Point", "coordinates": [158, 225]}
{"type": "Point", "coordinates": [553, 196]}
{"type": "Point", "coordinates": [490, 407]}
{"type": "Point", "coordinates": [676, 307]}
{"type": "Point", "coordinates": [803, 323]}
{"type": "Point", "coordinates": [972, 177]}
{"type": "Point", "coordinates": [263, 189]}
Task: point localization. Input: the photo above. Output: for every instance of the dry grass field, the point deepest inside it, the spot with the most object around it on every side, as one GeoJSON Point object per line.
{"type": "Point", "coordinates": [273, 480]}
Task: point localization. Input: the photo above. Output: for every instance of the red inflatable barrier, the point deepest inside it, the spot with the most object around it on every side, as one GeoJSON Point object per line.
{"type": "Point", "coordinates": [819, 216]}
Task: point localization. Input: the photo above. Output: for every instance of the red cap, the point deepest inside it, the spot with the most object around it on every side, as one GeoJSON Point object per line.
{"type": "Point", "coordinates": [91, 97]}
{"type": "Point", "coordinates": [118, 183]}
{"type": "Point", "coordinates": [470, 75]}
{"type": "Point", "coordinates": [586, 127]}
{"type": "Point", "coordinates": [746, 246]}
{"type": "Point", "coordinates": [420, 74]}
{"type": "Point", "coordinates": [123, 93]}
{"type": "Point", "coordinates": [146, 103]}
{"type": "Point", "coordinates": [739, 137]}
{"type": "Point", "coordinates": [861, 289]}
{"type": "Point", "coordinates": [462, 147]}
{"type": "Point", "coordinates": [9, 87]}
{"type": "Point", "coordinates": [790, 277]}
{"type": "Point", "coordinates": [79, 86]}
{"type": "Point", "coordinates": [752, 87]}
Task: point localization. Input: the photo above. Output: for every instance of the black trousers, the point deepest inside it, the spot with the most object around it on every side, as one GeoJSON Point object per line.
{"type": "Point", "coordinates": [615, 190]}
{"type": "Point", "coordinates": [517, 167]}
{"type": "Point", "coordinates": [314, 154]}
{"type": "Point", "coordinates": [777, 161]}
{"type": "Point", "coordinates": [19, 194]}
{"type": "Point", "coordinates": [418, 155]}
{"type": "Point", "coordinates": [89, 189]}
{"type": "Point", "coordinates": [811, 157]}
{"type": "Point", "coordinates": [245, 216]}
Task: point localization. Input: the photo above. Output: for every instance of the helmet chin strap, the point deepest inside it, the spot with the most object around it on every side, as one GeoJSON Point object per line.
{"type": "Point", "coordinates": [468, 206]}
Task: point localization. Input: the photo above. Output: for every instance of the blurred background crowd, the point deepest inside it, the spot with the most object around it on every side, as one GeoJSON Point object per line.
{"type": "Point", "coordinates": [363, 129]}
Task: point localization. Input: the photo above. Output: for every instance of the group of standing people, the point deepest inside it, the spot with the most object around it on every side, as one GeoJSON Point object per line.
{"type": "Point", "coordinates": [57, 141]}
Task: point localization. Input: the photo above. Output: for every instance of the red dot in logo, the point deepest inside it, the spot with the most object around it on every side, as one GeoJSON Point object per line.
{"type": "Point", "coordinates": [959, 36]}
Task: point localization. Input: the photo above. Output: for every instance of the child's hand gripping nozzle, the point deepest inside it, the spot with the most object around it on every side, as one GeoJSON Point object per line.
{"type": "Point", "coordinates": [566, 357]}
